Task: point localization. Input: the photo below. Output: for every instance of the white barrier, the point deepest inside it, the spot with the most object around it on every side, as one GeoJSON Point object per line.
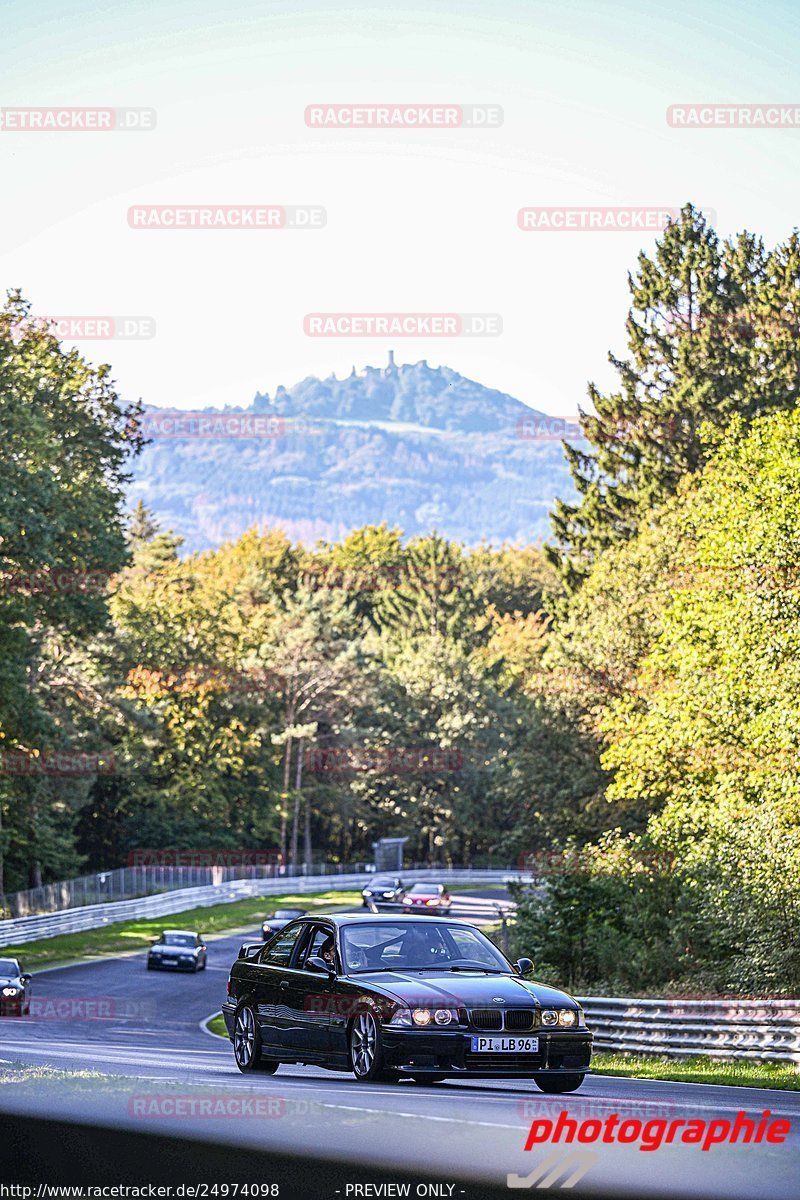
{"type": "Point", "coordinates": [95, 916]}
{"type": "Point", "coordinates": [725, 1029]}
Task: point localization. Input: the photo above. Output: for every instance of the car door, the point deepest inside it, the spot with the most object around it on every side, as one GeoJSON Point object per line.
{"type": "Point", "coordinates": [266, 976]}
{"type": "Point", "coordinates": [308, 997]}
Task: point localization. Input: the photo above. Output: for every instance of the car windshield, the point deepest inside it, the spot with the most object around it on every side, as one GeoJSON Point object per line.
{"type": "Point", "coordinates": [383, 883]}
{"type": "Point", "coordinates": [425, 889]}
{"type": "Point", "coordinates": [8, 967]}
{"type": "Point", "coordinates": [179, 939]}
{"type": "Point", "coordinates": [286, 914]}
{"type": "Point", "coordinates": [428, 946]}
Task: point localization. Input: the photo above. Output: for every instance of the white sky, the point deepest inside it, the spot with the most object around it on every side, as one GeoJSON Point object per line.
{"type": "Point", "coordinates": [417, 221]}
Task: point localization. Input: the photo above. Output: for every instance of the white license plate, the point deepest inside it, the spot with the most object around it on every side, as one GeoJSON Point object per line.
{"type": "Point", "coordinates": [506, 1045]}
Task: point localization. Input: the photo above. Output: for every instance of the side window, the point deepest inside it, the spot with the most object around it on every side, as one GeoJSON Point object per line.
{"type": "Point", "coordinates": [315, 944]}
{"type": "Point", "coordinates": [280, 951]}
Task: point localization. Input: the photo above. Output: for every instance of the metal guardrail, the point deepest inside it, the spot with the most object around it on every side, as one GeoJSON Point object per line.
{"type": "Point", "coordinates": [95, 916]}
{"type": "Point", "coordinates": [725, 1029]}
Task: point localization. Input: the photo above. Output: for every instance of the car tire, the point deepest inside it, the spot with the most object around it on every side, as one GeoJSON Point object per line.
{"type": "Point", "coordinates": [559, 1083]}
{"type": "Point", "coordinates": [366, 1050]}
{"type": "Point", "coordinates": [247, 1043]}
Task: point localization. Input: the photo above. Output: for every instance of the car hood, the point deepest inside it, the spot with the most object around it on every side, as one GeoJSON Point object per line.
{"type": "Point", "coordinates": [9, 980]}
{"type": "Point", "coordinates": [443, 990]}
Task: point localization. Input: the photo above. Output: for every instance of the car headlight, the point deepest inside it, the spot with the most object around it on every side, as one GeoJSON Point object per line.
{"type": "Point", "coordinates": [11, 991]}
{"type": "Point", "coordinates": [434, 901]}
{"type": "Point", "coordinates": [559, 1016]}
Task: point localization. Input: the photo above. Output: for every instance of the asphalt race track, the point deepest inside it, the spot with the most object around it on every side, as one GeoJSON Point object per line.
{"type": "Point", "coordinates": [139, 1036]}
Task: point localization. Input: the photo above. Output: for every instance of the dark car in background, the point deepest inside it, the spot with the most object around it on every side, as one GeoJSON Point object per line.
{"type": "Point", "coordinates": [15, 989]}
{"type": "Point", "coordinates": [404, 996]}
{"type": "Point", "coordinates": [431, 898]}
{"type": "Point", "coordinates": [383, 891]}
{"type": "Point", "coordinates": [279, 920]}
{"type": "Point", "coordinates": [178, 950]}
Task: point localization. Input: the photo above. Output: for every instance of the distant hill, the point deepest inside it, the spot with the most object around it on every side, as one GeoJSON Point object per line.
{"type": "Point", "coordinates": [416, 446]}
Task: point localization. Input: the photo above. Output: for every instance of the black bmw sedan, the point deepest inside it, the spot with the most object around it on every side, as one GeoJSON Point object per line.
{"type": "Point", "coordinates": [387, 997]}
{"type": "Point", "coordinates": [178, 950]}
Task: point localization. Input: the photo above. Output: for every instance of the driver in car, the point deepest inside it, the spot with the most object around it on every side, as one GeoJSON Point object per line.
{"type": "Point", "coordinates": [328, 952]}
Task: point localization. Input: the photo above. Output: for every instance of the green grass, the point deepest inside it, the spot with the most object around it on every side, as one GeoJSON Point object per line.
{"type": "Point", "coordinates": [217, 1025]}
{"type": "Point", "coordinates": [785, 1076]}
{"type": "Point", "coordinates": [138, 935]}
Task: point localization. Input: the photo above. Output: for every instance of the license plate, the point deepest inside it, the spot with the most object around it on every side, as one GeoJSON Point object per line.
{"type": "Point", "coordinates": [506, 1045]}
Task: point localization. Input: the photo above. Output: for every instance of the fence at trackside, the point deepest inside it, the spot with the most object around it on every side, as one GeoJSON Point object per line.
{"type": "Point", "coordinates": [18, 930]}
{"type": "Point", "coordinates": [725, 1029]}
{"type": "Point", "coordinates": [134, 882]}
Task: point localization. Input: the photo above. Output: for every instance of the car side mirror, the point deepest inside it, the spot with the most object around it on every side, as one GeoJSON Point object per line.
{"type": "Point", "coordinates": [315, 962]}
{"type": "Point", "coordinates": [25, 978]}
{"type": "Point", "coordinates": [524, 966]}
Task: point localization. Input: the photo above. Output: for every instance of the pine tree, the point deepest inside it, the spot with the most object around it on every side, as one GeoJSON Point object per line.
{"type": "Point", "coordinates": [712, 333]}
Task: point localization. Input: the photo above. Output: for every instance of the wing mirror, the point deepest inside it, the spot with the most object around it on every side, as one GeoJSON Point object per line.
{"type": "Point", "coordinates": [315, 962]}
{"type": "Point", "coordinates": [524, 966]}
{"type": "Point", "coordinates": [25, 978]}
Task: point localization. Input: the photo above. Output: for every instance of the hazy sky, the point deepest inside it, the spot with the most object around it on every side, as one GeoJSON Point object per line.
{"type": "Point", "coordinates": [417, 221]}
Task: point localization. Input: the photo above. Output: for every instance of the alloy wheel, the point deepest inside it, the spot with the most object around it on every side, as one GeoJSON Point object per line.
{"type": "Point", "coordinates": [363, 1042]}
{"type": "Point", "coordinates": [244, 1036]}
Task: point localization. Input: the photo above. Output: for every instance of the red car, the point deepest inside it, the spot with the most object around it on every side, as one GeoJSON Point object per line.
{"type": "Point", "coordinates": [432, 898]}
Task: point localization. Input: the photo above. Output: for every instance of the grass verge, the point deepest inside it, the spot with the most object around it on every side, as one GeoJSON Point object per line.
{"type": "Point", "coordinates": [784, 1076]}
{"type": "Point", "coordinates": [137, 935]}
{"type": "Point", "coordinates": [217, 1025]}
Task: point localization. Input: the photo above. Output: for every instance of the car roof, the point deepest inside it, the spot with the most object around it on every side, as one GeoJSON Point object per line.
{"type": "Point", "coordinates": [342, 919]}
{"type": "Point", "coordinates": [185, 932]}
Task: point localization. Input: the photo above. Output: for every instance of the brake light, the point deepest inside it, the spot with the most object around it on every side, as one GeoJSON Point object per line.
{"type": "Point", "coordinates": [230, 989]}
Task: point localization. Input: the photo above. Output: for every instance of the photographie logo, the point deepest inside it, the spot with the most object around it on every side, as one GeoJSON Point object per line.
{"type": "Point", "coordinates": [65, 764]}
{"type": "Point", "coordinates": [734, 116]}
{"type": "Point", "coordinates": [91, 329]}
{"type": "Point", "coordinates": [598, 219]}
{"type": "Point", "coordinates": [572, 1165]}
{"type": "Point", "coordinates": [548, 429]}
{"type": "Point", "coordinates": [227, 216]}
{"type": "Point", "coordinates": [403, 116]}
{"type": "Point", "coordinates": [179, 424]}
{"type": "Point", "coordinates": [402, 324]}
{"type": "Point", "coordinates": [386, 760]}
{"type": "Point", "coordinates": [649, 1135]}
{"type": "Point", "coordinates": [174, 856]}
{"type": "Point", "coordinates": [77, 120]}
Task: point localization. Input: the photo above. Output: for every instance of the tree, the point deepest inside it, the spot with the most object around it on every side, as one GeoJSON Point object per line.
{"type": "Point", "coordinates": [712, 334]}
{"type": "Point", "coordinates": [66, 440]}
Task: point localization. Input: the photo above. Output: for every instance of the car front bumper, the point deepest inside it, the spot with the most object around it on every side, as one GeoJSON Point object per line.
{"type": "Point", "coordinates": [176, 965]}
{"type": "Point", "coordinates": [449, 1052]}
